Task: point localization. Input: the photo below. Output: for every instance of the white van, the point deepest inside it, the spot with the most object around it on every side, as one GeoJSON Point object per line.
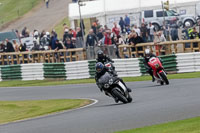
{"type": "Point", "coordinates": [156, 17]}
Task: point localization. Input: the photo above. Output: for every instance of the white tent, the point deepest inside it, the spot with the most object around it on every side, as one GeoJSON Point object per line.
{"type": "Point", "coordinates": [106, 7]}
{"type": "Point", "coordinates": [102, 9]}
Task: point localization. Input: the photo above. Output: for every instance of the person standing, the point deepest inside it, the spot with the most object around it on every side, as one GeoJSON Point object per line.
{"type": "Point", "coordinates": [122, 24]}
{"type": "Point", "coordinates": [9, 46]}
{"type": "Point", "coordinates": [151, 31]}
{"type": "Point", "coordinates": [91, 41]}
{"type": "Point", "coordinates": [115, 29]}
{"type": "Point", "coordinates": [47, 3]}
{"type": "Point", "coordinates": [127, 20]}
{"type": "Point", "coordinates": [144, 33]}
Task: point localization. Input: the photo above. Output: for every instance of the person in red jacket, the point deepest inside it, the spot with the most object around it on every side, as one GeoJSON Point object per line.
{"type": "Point", "coordinates": [116, 29]}
{"type": "Point", "coordinates": [108, 40]}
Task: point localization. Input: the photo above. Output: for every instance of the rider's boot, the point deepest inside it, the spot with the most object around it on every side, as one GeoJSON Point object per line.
{"type": "Point", "coordinates": [151, 73]}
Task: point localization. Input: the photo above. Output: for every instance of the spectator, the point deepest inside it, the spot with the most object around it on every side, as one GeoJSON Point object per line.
{"type": "Point", "coordinates": [144, 32]}
{"type": "Point", "coordinates": [116, 30]}
{"type": "Point", "coordinates": [105, 28]}
{"type": "Point", "coordinates": [100, 34]}
{"type": "Point", "coordinates": [134, 40]}
{"type": "Point", "coordinates": [22, 47]}
{"type": "Point", "coordinates": [42, 34]}
{"type": "Point", "coordinates": [122, 24]}
{"type": "Point", "coordinates": [166, 31]}
{"type": "Point", "coordinates": [174, 32]}
{"type": "Point", "coordinates": [195, 35]}
{"type": "Point", "coordinates": [16, 46]}
{"type": "Point", "coordinates": [53, 40]}
{"type": "Point", "coordinates": [94, 27]}
{"type": "Point", "coordinates": [137, 30]}
{"type": "Point", "coordinates": [66, 35]}
{"type": "Point", "coordinates": [151, 30]}
{"type": "Point", "coordinates": [24, 31]}
{"type": "Point", "coordinates": [45, 41]}
{"type": "Point", "coordinates": [9, 46]}
{"type": "Point", "coordinates": [72, 32]}
{"type": "Point", "coordinates": [107, 36]}
{"type": "Point", "coordinates": [65, 27]}
{"type": "Point", "coordinates": [91, 39]}
{"type": "Point", "coordinates": [127, 20]}
{"type": "Point", "coordinates": [36, 40]}
{"type": "Point", "coordinates": [47, 3]}
{"type": "Point", "coordinates": [68, 44]}
{"type": "Point", "coordinates": [58, 45]}
{"type": "Point", "coordinates": [2, 47]}
{"type": "Point", "coordinates": [159, 37]}
{"type": "Point", "coordinates": [128, 30]}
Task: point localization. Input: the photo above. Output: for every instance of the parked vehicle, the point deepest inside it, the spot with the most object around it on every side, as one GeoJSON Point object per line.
{"type": "Point", "coordinates": [11, 35]}
{"type": "Point", "coordinates": [156, 17]}
{"type": "Point", "coordinates": [158, 71]}
{"type": "Point", "coordinates": [115, 88]}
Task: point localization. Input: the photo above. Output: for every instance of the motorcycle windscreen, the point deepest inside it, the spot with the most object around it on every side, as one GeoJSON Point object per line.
{"type": "Point", "coordinates": [105, 78]}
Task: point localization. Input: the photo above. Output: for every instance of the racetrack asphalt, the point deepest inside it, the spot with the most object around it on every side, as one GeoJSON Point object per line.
{"type": "Point", "coordinates": [152, 104]}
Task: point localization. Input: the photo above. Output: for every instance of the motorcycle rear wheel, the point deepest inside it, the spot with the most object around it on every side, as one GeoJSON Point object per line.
{"type": "Point", "coordinates": [119, 95]}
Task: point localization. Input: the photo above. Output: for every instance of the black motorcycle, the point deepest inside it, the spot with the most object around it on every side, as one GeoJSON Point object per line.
{"type": "Point", "coordinates": [113, 87]}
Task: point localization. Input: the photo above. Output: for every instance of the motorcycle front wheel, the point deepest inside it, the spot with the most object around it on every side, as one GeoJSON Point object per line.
{"type": "Point", "coordinates": [164, 77]}
{"type": "Point", "coordinates": [119, 95]}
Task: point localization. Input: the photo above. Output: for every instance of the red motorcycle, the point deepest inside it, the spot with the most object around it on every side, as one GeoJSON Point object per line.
{"type": "Point", "coordinates": [158, 70]}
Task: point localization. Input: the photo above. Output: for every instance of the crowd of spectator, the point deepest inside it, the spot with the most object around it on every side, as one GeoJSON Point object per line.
{"type": "Point", "coordinates": [121, 33]}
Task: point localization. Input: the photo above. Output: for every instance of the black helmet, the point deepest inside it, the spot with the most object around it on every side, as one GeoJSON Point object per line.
{"type": "Point", "coordinates": [99, 67]}
{"type": "Point", "coordinates": [100, 54]}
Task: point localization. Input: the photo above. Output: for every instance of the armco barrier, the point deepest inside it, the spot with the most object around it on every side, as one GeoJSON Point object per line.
{"type": "Point", "coordinates": [54, 70]}
{"type": "Point", "coordinates": [12, 72]}
{"type": "Point", "coordinates": [91, 66]}
{"type": "Point", "coordinates": [127, 67]}
{"type": "Point", "coordinates": [188, 62]}
{"type": "Point", "coordinates": [169, 63]}
{"type": "Point", "coordinates": [32, 71]}
{"type": "Point", "coordinates": [124, 67]}
{"type": "Point", "coordinates": [77, 70]}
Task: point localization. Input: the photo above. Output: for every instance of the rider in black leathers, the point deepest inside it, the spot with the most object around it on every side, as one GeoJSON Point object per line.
{"type": "Point", "coordinates": [101, 70]}
{"type": "Point", "coordinates": [101, 57]}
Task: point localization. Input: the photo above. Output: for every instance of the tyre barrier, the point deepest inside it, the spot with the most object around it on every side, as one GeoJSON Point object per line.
{"type": "Point", "coordinates": [131, 67]}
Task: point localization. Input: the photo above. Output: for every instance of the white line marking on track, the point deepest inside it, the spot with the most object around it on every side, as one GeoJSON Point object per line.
{"type": "Point", "coordinates": [54, 114]}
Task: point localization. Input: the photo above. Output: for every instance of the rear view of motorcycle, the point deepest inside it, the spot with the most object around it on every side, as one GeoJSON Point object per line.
{"type": "Point", "coordinates": [113, 87]}
{"type": "Point", "coordinates": [158, 71]}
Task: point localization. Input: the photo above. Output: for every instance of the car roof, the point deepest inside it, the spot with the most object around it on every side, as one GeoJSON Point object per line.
{"type": "Point", "coordinates": [8, 35]}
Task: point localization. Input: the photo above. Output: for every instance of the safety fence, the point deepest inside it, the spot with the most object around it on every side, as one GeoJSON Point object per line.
{"type": "Point", "coordinates": [131, 67]}
{"type": "Point", "coordinates": [49, 56]}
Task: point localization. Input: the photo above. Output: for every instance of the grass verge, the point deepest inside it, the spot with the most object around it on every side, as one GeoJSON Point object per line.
{"type": "Point", "coordinates": [18, 110]}
{"type": "Point", "coordinates": [13, 9]}
{"type": "Point", "coordinates": [84, 81]}
{"type": "Point", "coordinates": [183, 126]}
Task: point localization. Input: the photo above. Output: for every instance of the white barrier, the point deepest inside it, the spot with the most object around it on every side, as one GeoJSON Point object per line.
{"type": "Point", "coordinates": [0, 75]}
{"type": "Point", "coordinates": [32, 71]}
{"type": "Point", "coordinates": [77, 70]}
{"type": "Point", "coordinates": [127, 67]}
{"type": "Point", "coordinates": [188, 62]}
